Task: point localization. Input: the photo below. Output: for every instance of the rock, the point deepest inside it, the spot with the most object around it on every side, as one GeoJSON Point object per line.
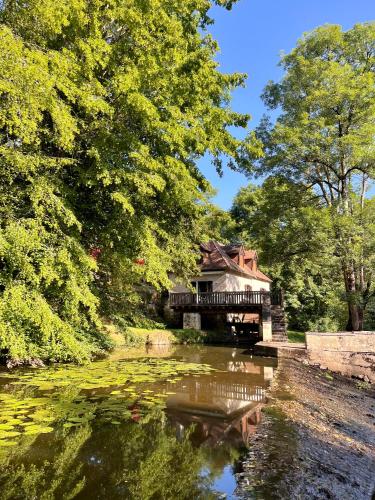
{"type": "Point", "coordinates": [33, 362]}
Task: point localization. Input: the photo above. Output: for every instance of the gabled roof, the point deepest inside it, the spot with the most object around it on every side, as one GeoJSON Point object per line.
{"type": "Point", "coordinates": [217, 257]}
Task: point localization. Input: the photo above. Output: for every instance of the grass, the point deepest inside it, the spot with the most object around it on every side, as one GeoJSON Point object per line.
{"type": "Point", "coordinates": [295, 336]}
{"type": "Point", "coordinates": [136, 337]}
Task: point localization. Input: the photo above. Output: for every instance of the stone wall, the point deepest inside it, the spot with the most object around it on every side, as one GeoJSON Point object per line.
{"type": "Point", "coordinates": [352, 354]}
{"type": "Point", "coordinates": [191, 321]}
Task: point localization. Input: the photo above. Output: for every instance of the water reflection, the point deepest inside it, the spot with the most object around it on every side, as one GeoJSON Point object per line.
{"type": "Point", "coordinates": [190, 450]}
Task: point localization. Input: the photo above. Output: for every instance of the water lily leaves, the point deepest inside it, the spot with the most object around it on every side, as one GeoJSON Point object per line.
{"type": "Point", "coordinates": [68, 425]}
{"type": "Point", "coordinates": [38, 430]}
{"type": "Point", "coordinates": [6, 444]}
{"type": "Point", "coordinates": [6, 427]}
{"type": "Point", "coordinates": [36, 402]}
{"type": "Point", "coordinates": [8, 434]}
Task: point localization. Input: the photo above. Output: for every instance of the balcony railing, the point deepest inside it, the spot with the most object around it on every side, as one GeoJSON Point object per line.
{"type": "Point", "coordinates": [222, 298]}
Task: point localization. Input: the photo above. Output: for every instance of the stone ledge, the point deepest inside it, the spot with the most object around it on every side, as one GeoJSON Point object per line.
{"type": "Point", "coordinates": [341, 341]}
{"type": "Point", "coordinates": [280, 350]}
{"type": "Point", "coordinates": [349, 353]}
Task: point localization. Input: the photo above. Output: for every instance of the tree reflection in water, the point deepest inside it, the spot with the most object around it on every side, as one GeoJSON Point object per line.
{"type": "Point", "coordinates": [176, 453]}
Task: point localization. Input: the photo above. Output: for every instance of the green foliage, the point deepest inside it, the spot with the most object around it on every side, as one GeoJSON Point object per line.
{"type": "Point", "coordinates": [105, 108]}
{"type": "Point", "coordinates": [294, 238]}
{"type": "Point", "coordinates": [135, 336]}
{"type": "Point", "coordinates": [148, 323]}
{"type": "Point", "coordinates": [190, 336]}
{"type": "Point", "coordinates": [364, 386]}
{"type": "Point", "coordinates": [218, 225]}
{"type": "Point", "coordinates": [131, 339]}
{"type": "Point", "coordinates": [324, 324]}
{"type": "Point", "coordinates": [322, 141]}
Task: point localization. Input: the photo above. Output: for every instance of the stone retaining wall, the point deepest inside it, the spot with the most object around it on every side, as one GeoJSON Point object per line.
{"type": "Point", "coordinates": [352, 354]}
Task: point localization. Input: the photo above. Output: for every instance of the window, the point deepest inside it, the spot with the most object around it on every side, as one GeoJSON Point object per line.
{"type": "Point", "coordinates": [204, 286]}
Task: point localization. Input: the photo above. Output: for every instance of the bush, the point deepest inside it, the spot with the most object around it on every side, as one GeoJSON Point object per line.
{"type": "Point", "coordinates": [138, 321]}
{"type": "Point", "coordinates": [324, 324]}
{"type": "Point", "coordinates": [190, 336]}
{"type": "Point", "coordinates": [131, 338]}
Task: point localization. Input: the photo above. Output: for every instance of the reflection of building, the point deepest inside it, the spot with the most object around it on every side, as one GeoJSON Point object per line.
{"type": "Point", "coordinates": [224, 406]}
{"type": "Point", "coordinates": [212, 431]}
{"type": "Point", "coordinates": [220, 394]}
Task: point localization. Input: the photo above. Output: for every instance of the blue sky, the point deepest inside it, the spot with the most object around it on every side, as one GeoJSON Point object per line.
{"type": "Point", "coordinates": [251, 37]}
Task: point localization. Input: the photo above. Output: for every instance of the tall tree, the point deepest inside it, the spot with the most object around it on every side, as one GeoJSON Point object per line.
{"type": "Point", "coordinates": [294, 238]}
{"type": "Point", "coordinates": [105, 107]}
{"type": "Point", "coordinates": [324, 138]}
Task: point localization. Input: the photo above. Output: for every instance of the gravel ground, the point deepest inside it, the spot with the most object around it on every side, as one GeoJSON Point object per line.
{"type": "Point", "coordinates": [316, 440]}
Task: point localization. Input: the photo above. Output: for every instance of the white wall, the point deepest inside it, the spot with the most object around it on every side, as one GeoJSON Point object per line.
{"type": "Point", "coordinates": [218, 282]}
{"type": "Point", "coordinates": [237, 283]}
{"type": "Point", "coordinates": [226, 282]}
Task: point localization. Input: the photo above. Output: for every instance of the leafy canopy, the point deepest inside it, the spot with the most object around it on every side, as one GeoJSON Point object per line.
{"type": "Point", "coordinates": [323, 139]}
{"type": "Point", "coordinates": [105, 108]}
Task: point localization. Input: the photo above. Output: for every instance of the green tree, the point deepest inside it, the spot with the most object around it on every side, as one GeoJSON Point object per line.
{"type": "Point", "coordinates": [324, 139]}
{"type": "Point", "coordinates": [218, 224]}
{"type": "Point", "coordinates": [105, 108]}
{"type": "Point", "coordinates": [294, 237]}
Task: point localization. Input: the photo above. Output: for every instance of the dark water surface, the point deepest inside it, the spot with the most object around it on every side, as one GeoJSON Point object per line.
{"type": "Point", "coordinates": [120, 430]}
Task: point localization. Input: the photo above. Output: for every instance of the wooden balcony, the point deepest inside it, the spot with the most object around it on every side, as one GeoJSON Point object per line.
{"type": "Point", "coordinates": [222, 300]}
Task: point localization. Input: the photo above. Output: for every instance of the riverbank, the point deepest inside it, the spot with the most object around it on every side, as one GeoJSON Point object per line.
{"type": "Point", "coordinates": [316, 440]}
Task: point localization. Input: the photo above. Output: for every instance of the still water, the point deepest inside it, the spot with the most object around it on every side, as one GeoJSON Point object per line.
{"type": "Point", "coordinates": [162, 423]}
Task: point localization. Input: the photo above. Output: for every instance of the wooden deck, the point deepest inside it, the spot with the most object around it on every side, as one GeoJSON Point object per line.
{"type": "Point", "coordinates": [222, 300]}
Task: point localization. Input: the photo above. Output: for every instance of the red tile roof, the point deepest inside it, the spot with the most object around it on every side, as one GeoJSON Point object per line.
{"type": "Point", "coordinates": [218, 257]}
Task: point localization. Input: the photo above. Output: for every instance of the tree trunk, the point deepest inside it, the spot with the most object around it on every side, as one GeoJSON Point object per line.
{"type": "Point", "coordinates": [355, 320]}
{"type": "Point", "coordinates": [355, 310]}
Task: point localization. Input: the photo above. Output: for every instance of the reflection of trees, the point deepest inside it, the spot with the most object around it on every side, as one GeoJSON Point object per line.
{"type": "Point", "coordinates": [144, 461]}
{"type": "Point", "coordinates": [60, 478]}
{"type": "Point", "coordinates": [178, 455]}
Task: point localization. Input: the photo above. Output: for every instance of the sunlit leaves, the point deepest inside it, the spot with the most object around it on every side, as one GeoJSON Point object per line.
{"type": "Point", "coordinates": [323, 139]}
{"type": "Point", "coordinates": [105, 109]}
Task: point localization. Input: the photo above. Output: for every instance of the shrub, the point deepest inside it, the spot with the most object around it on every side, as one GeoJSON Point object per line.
{"type": "Point", "coordinates": [324, 324]}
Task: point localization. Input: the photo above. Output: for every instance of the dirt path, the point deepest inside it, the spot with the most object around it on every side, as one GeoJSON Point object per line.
{"type": "Point", "coordinates": [317, 440]}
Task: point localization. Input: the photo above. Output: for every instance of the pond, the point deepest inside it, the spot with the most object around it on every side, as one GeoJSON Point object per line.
{"type": "Point", "coordinates": [162, 423]}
